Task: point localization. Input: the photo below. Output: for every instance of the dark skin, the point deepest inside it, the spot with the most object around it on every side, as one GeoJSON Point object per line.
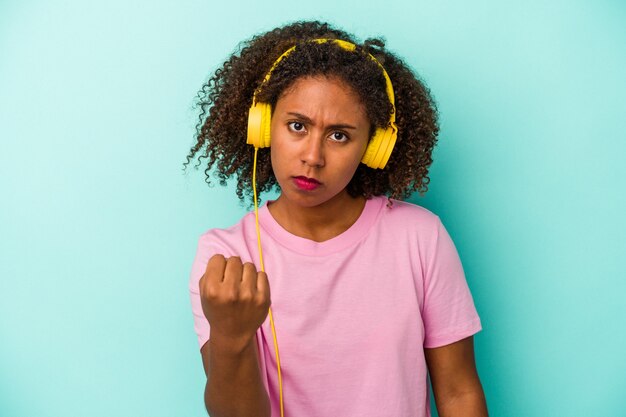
{"type": "Point", "coordinates": [235, 300]}
{"type": "Point", "coordinates": [236, 297]}
{"type": "Point", "coordinates": [455, 382]}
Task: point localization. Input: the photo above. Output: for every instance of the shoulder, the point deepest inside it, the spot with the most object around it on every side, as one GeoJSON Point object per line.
{"type": "Point", "coordinates": [228, 240]}
{"type": "Point", "coordinates": [406, 214]}
{"type": "Point", "coordinates": [418, 228]}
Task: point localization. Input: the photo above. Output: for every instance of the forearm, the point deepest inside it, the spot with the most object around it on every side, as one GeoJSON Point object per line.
{"type": "Point", "coordinates": [234, 387]}
{"type": "Point", "coordinates": [469, 404]}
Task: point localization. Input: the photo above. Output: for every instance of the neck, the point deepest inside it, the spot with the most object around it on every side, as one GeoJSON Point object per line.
{"type": "Point", "coordinates": [318, 223]}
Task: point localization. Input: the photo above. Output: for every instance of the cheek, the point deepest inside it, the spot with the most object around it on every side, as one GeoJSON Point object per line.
{"type": "Point", "coordinates": [272, 159]}
{"type": "Point", "coordinates": [277, 157]}
{"type": "Point", "coordinates": [350, 169]}
{"type": "Point", "coordinates": [356, 165]}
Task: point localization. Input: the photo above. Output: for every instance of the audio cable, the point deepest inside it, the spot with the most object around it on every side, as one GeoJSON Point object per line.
{"type": "Point", "coordinates": [258, 236]}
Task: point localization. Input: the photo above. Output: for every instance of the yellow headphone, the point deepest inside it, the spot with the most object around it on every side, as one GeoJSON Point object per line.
{"type": "Point", "coordinates": [379, 147]}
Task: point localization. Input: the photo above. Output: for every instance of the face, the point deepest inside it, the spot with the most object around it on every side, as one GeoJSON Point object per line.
{"type": "Point", "coordinates": [319, 133]}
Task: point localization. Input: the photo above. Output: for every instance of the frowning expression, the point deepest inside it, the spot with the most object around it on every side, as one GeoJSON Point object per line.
{"type": "Point", "coordinates": [319, 133]}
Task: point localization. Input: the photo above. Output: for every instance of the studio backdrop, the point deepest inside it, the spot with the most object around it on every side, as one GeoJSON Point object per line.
{"type": "Point", "coordinates": [99, 224]}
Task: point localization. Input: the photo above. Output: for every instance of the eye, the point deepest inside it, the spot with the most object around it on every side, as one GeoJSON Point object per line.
{"type": "Point", "coordinates": [296, 126]}
{"type": "Point", "coordinates": [339, 137]}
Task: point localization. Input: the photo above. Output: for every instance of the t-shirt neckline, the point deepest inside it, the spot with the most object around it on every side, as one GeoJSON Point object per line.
{"type": "Point", "coordinates": [309, 247]}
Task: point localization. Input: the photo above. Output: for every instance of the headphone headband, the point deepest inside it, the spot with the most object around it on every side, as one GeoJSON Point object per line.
{"type": "Point", "coordinates": [348, 46]}
{"type": "Point", "coordinates": [380, 146]}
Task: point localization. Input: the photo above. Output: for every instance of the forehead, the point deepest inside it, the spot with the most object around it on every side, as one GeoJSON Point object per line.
{"type": "Point", "coordinates": [322, 95]}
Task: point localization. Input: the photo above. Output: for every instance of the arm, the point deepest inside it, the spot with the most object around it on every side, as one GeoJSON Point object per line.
{"type": "Point", "coordinates": [455, 381]}
{"type": "Point", "coordinates": [235, 300]}
{"type": "Point", "coordinates": [234, 386]}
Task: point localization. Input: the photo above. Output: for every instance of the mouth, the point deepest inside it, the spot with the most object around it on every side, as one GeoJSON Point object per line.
{"type": "Point", "coordinates": [305, 183]}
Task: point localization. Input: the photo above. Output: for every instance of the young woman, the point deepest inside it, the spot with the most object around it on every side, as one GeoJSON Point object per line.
{"type": "Point", "coordinates": [367, 292]}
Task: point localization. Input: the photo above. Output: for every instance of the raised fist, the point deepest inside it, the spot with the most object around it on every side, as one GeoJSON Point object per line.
{"type": "Point", "coordinates": [235, 299]}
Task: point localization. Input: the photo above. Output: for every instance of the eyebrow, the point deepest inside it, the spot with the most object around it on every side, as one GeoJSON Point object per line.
{"type": "Point", "coordinates": [310, 121]}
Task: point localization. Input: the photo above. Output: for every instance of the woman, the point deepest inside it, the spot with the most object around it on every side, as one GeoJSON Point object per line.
{"type": "Point", "coordinates": [367, 292]}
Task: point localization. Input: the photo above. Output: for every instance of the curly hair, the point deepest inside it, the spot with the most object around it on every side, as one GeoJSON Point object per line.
{"type": "Point", "coordinates": [225, 100]}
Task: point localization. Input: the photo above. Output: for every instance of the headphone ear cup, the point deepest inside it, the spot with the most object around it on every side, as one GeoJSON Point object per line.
{"type": "Point", "coordinates": [255, 115]}
{"type": "Point", "coordinates": [372, 149]}
{"type": "Point", "coordinates": [259, 123]}
{"type": "Point", "coordinates": [380, 146]}
{"type": "Point", "coordinates": [390, 135]}
{"type": "Point", "coordinates": [266, 126]}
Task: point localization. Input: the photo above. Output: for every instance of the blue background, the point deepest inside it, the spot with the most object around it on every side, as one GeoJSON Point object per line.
{"type": "Point", "coordinates": [99, 225]}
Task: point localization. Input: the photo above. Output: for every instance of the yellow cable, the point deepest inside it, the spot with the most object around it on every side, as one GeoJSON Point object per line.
{"type": "Point", "coordinates": [258, 237]}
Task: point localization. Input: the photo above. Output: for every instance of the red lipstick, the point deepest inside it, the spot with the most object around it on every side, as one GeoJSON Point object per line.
{"type": "Point", "coordinates": [306, 184]}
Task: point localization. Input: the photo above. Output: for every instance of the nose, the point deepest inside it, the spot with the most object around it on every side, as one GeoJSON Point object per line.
{"type": "Point", "coordinates": [313, 151]}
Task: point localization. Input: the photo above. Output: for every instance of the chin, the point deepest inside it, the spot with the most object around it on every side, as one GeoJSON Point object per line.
{"type": "Point", "coordinates": [303, 199]}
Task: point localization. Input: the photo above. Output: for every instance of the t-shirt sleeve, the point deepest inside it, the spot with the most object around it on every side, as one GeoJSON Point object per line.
{"type": "Point", "coordinates": [204, 252]}
{"type": "Point", "coordinates": [449, 313]}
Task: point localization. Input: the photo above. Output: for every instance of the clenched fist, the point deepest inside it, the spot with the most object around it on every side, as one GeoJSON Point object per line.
{"type": "Point", "coordinates": [235, 299]}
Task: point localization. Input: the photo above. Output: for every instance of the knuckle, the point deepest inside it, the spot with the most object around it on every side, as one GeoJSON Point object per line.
{"type": "Point", "coordinates": [249, 266]}
{"type": "Point", "coordinates": [210, 292]}
{"type": "Point", "coordinates": [215, 261]}
{"type": "Point", "coordinates": [231, 296]}
{"type": "Point", "coordinates": [246, 296]}
{"type": "Point", "coordinates": [263, 301]}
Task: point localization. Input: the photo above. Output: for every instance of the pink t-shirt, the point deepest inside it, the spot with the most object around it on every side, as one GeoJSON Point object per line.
{"type": "Point", "coordinates": [353, 314]}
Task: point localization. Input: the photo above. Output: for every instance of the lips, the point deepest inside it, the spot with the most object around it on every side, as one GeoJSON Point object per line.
{"type": "Point", "coordinates": [305, 183]}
